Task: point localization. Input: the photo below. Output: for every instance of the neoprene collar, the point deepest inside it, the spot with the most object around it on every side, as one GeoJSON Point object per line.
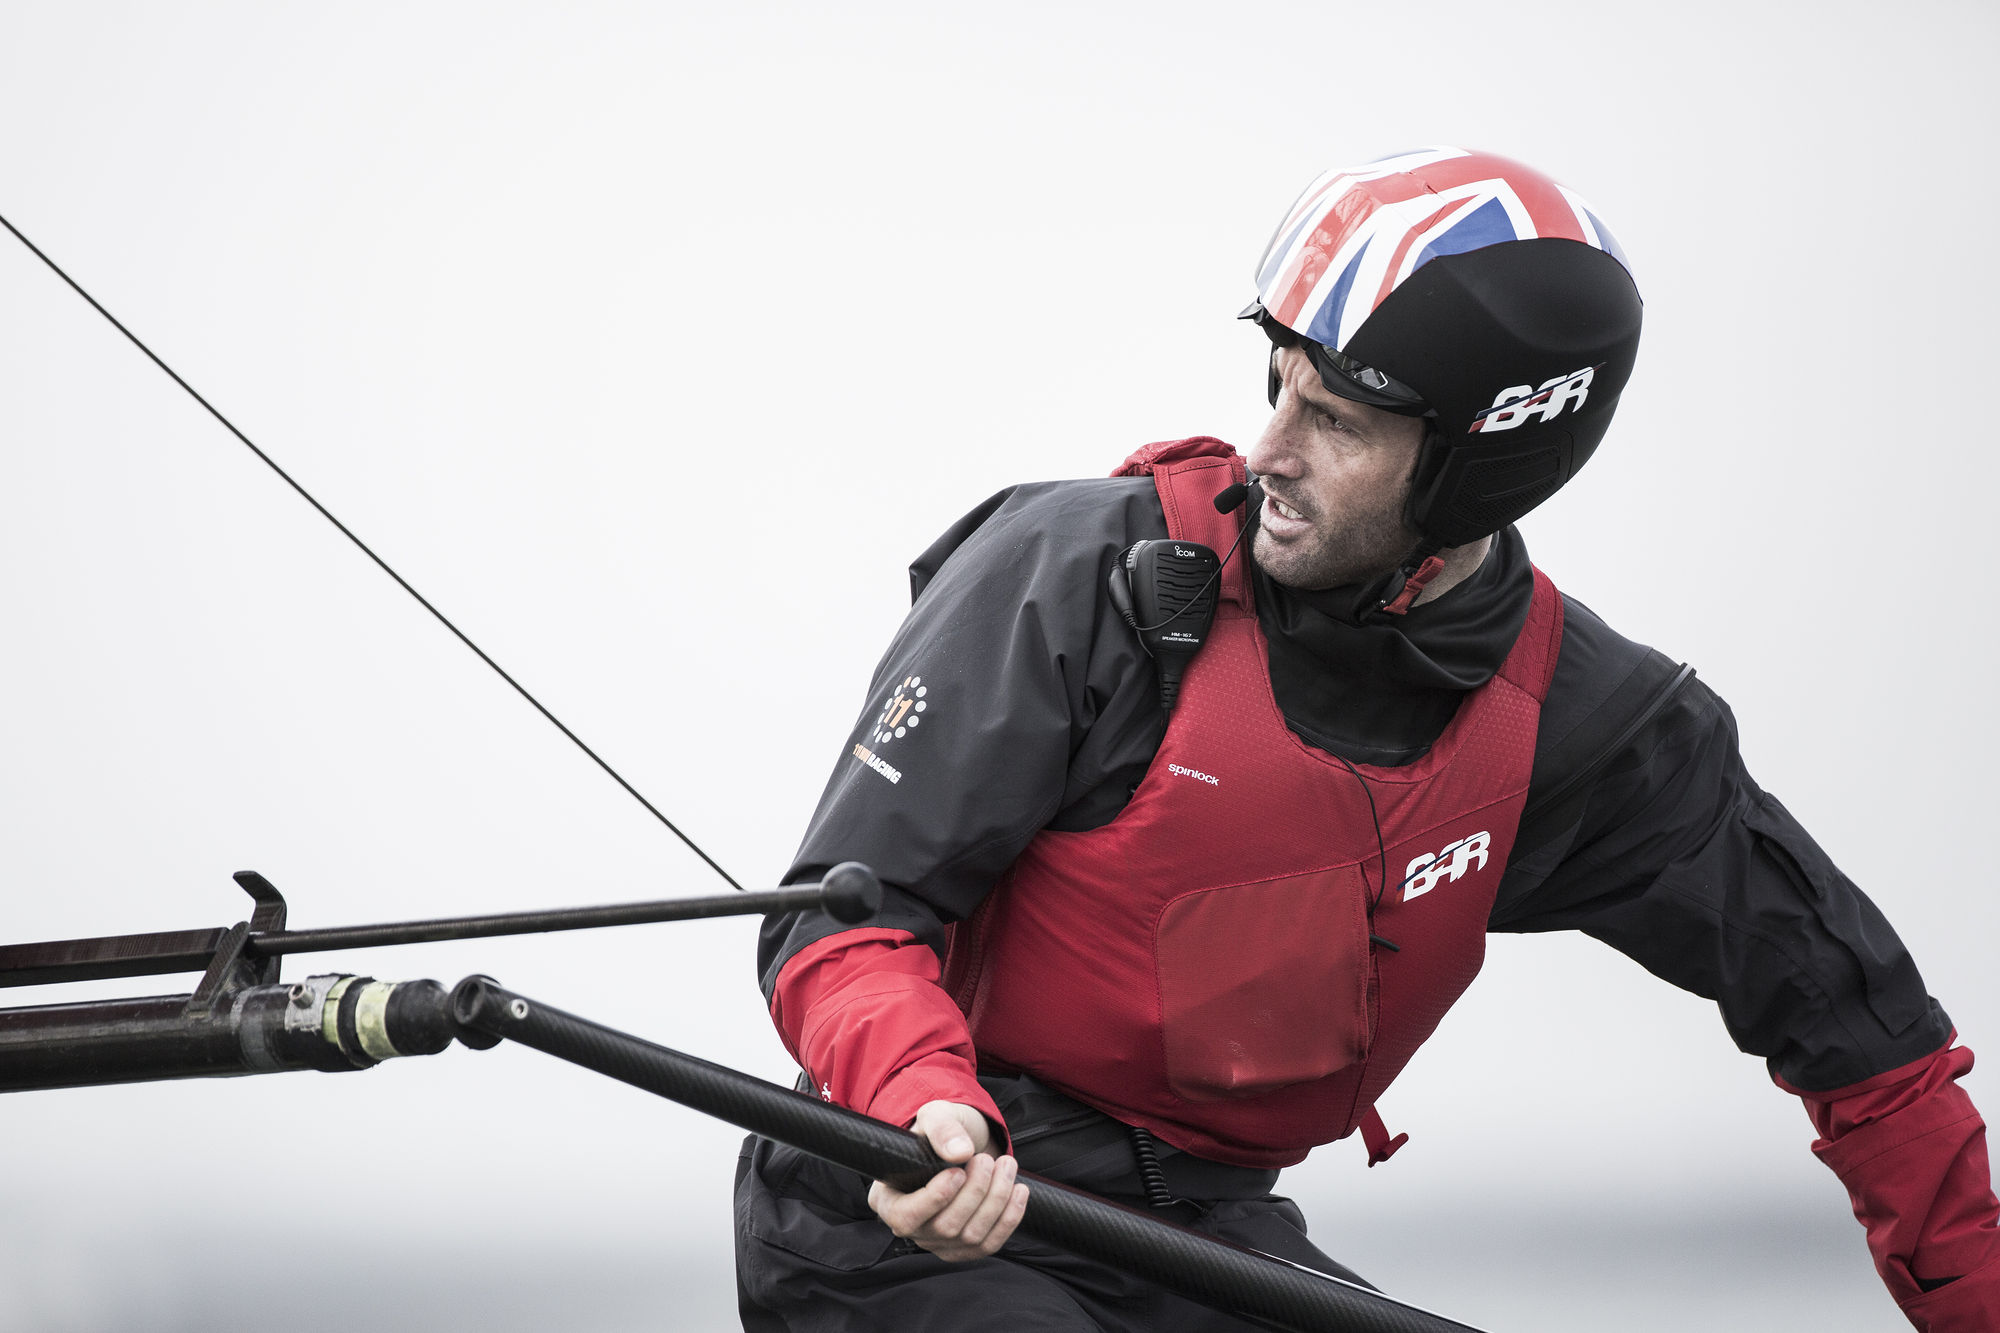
{"type": "Point", "coordinates": [1381, 692]}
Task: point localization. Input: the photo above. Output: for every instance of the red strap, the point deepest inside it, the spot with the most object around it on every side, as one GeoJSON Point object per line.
{"type": "Point", "coordinates": [1189, 474]}
{"type": "Point", "coordinates": [1407, 598]}
{"type": "Point", "coordinates": [1375, 1135]}
{"type": "Point", "coordinates": [1161, 452]}
{"type": "Point", "coordinates": [1532, 663]}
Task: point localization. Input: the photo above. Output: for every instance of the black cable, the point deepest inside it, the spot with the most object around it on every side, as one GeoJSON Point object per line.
{"type": "Point", "coordinates": [1151, 1174]}
{"type": "Point", "coordinates": [1381, 850]}
{"type": "Point", "coordinates": [383, 564]}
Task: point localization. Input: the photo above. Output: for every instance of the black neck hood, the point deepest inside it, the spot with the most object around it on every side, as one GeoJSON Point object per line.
{"type": "Point", "coordinates": [1381, 692]}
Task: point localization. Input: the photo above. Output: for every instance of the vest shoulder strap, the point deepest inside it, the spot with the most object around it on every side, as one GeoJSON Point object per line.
{"type": "Point", "coordinates": [1189, 474]}
{"type": "Point", "coordinates": [1531, 664]}
{"type": "Point", "coordinates": [1142, 461]}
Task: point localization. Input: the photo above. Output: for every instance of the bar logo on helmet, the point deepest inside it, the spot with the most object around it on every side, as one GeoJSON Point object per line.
{"type": "Point", "coordinates": [1512, 406]}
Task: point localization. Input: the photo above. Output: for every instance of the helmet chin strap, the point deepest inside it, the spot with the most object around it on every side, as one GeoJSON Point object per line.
{"type": "Point", "coordinates": [1397, 591]}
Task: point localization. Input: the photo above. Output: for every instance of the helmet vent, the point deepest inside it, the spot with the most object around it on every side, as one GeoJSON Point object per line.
{"type": "Point", "coordinates": [1493, 492]}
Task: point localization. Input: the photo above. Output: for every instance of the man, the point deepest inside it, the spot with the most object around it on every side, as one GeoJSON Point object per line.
{"type": "Point", "coordinates": [1159, 936]}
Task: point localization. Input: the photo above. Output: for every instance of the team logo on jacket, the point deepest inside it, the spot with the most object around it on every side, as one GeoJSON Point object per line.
{"type": "Point", "coordinates": [900, 715]}
{"type": "Point", "coordinates": [1426, 872]}
{"type": "Point", "coordinates": [903, 711]}
{"type": "Point", "coordinates": [1512, 406]}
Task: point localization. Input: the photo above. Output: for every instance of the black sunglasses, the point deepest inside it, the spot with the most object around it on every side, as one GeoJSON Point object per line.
{"type": "Point", "coordinates": [1340, 373]}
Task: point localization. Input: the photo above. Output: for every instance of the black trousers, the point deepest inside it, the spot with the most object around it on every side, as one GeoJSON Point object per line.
{"type": "Point", "coordinates": [812, 1258]}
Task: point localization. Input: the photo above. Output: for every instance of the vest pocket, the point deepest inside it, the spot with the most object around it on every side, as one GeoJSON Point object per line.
{"type": "Point", "coordinates": [1264, 985]}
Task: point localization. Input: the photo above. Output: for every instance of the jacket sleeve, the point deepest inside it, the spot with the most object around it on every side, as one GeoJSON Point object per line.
{"type": "Point", "coordinates": [862, 1013]}
{"type": "Point", "coordinates": [1678, 859]}
{"type": "Point", "coordinates": [1911, 1149]}
{"type": "Point", "coordinates": [1675, 856]}
{"type": "Point", "coordinates": [991, 716]}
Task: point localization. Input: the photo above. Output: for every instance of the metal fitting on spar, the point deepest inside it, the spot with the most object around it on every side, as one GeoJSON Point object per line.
{"type": "Point", "coordinates": [333, 1023]}
{"type": "Point", "coordinates": [362, 1020]}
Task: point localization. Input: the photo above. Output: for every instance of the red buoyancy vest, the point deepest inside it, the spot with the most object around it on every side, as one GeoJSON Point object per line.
{"type": "Point", "coordinates": [1202, 965]}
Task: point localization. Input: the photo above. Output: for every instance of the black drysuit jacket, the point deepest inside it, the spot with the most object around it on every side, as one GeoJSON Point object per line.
{"type": "Point", "coordinates": [1642, 827]}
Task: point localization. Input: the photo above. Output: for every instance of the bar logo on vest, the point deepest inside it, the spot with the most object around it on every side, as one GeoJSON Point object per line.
{"type": "Point", "coordinates": [1431, 869]}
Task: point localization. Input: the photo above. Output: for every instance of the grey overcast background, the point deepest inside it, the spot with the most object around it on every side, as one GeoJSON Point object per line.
{"type": "Point", "coordinates": [651, 341]}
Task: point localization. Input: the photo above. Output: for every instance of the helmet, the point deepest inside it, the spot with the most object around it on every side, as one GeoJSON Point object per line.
{"type": "Point", "coordinates": [1470, 290]}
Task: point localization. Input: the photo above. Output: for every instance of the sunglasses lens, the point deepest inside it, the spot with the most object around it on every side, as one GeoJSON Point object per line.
{"type": "Point", "coordinates": [1342, 374]}
{"type": "Point", "coordinates": [1338, 371]}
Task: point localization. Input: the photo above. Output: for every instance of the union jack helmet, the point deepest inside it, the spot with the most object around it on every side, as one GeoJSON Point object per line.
{"type": "Point", "coordinates": [1470, 290]}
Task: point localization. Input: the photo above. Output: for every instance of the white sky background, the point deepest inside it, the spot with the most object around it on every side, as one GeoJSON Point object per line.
{"type": "Point", "coordinates": [651, 342]}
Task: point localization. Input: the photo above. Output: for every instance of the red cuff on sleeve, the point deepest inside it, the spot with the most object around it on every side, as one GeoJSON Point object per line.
{"type": "Point", "coordinates": [1911, 1149]}
{"type": "Point", "coordinates": [1969, 1305]}
{"type": "Point", "coordinates": [863, 1013]}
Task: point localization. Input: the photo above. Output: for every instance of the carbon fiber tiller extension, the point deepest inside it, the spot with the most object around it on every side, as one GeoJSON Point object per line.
{"type": "Point", "coordinates": [1213, 1272]}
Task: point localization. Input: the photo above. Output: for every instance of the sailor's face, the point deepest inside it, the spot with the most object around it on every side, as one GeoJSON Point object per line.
{"type": "Point", "coordinates": [1336, 480]}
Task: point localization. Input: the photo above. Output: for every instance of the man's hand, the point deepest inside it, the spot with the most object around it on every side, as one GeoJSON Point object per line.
{"type": "Point", "coordinates": [966, 1211]}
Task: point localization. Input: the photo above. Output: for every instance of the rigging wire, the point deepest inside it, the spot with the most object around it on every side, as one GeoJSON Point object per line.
{"type": "Point", "coordinates": [380, 562]}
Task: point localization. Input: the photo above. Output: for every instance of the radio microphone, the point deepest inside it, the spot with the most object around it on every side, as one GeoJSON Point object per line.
{"type": "Point", "coordinates": [1232, 496]}
{"type": "Point", "coordinates": [1158, 578]}
{"type": "Point", "coordinates": [1165, 589]}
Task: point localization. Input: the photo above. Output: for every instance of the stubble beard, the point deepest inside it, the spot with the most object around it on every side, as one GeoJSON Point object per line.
{"type": "Point", "coordinates": [1342, 551]}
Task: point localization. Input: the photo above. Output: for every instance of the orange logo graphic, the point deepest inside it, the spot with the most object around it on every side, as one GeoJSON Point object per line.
{"type": "Point", "coordinates": [903, 711]}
